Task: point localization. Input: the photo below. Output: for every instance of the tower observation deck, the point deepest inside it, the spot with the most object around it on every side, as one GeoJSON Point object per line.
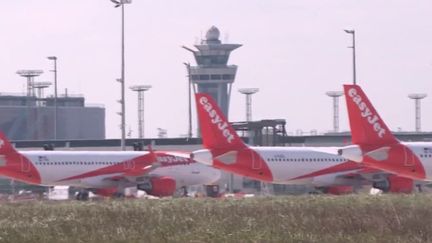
{"type": "Point", "coordinates": [213, 75]}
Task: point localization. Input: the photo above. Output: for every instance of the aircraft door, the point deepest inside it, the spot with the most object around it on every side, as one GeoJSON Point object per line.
{"type": "Point", "coordinates": [25, 165]}
{"type": "Point", "coordinates": [409, 157]}
{"type": "Point", "coordinates": [256, 161]}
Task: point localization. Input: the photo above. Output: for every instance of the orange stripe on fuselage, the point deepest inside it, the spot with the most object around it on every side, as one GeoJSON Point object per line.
{"type": "Point", "coordinates": [343, 167]}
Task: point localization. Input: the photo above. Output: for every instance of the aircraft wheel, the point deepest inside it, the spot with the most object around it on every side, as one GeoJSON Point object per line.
{"type": "Point", "coordinates": [82, 196]}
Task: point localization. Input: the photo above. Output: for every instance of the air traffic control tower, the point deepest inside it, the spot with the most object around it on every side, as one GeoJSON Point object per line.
{"type": "Point", "coordinates": [212, 74]}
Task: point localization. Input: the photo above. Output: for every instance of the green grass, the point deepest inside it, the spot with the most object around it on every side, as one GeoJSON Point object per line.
{"type": "Point", "coordinates": [353, 218]}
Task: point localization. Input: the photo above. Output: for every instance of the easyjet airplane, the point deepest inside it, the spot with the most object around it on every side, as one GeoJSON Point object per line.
{"type": "Point", "coordinates": [158, 173]}
{"type": "Point", "coordinates": [375, 146]}
{"type": "Point", "coordinates": [320, 167]}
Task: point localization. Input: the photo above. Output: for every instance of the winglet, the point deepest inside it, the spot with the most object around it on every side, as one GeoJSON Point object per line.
{"type": "Point", "coordinates": [367, 127]}
{"type": "Point", "coordinates": [216, 132]}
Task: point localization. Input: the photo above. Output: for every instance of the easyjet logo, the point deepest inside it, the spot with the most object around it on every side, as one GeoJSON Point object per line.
{"type": "Point", "coordinates": [216, 119]}
{"type": "Point", "coordinates": [366, 112]}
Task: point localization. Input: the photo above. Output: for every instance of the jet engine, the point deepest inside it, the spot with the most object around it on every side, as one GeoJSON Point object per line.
{"type": "Point", "coordinates": [352, 152]}
{"type": "Point", "coordinates": [159, 187]}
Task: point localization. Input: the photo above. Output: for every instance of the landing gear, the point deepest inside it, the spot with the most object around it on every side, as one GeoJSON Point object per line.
{"type": "Point", "coordinates": [118, 195]}
{"type": "Point", "coordinates": [82, 196]}
{"type": "Point", "coordinates": [184, 191]}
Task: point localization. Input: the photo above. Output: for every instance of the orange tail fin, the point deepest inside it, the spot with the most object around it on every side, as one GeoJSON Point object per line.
{"type": "Point", "coordinates": [216, 132]}
{"type": "Point", "coordinates": [367, 127]}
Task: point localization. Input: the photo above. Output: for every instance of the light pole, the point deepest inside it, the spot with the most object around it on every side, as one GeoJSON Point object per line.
{"type": "Point", "coordinates": [122, 79]}
{"type": "Point", "coordinates": [54, 58]}
{"type": "Point", "coordinates": [190, 101]}
{"type": "Point", "coordinates": [352, 32]}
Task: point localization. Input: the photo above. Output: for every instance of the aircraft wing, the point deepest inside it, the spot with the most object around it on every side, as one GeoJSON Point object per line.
{"type": "Point", "coordinates": [143, 166]}
{"type": "Point", "coordinates": [138, 167]}
{"type": "Point", "coordinates": [379, 179]}
{"type": "Point", "coordinates": [358, 175]}
{"type": "Point", "coordinates": [133, 173]}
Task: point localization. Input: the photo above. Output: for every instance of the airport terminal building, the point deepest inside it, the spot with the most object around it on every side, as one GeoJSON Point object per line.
{"type": "Point", "coordinates": [31, 118]}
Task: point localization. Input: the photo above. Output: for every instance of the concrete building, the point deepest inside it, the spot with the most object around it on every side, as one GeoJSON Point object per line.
{"type": "Point", "coordinates": [32, 118]}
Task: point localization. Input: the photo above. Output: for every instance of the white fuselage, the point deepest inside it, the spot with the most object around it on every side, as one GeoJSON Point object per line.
{"type": "Point", "coordinates": [423, 151]}
{"type": "Point", "coordinates": [55, 167]}
{"type": "Point", "coordinates": [288, 163]}
{"type": "Point", "coordinates": [283, 165]}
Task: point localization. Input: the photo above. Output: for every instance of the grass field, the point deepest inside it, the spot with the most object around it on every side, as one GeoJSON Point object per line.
{"type": "Point", "coordinates": [353, 218]}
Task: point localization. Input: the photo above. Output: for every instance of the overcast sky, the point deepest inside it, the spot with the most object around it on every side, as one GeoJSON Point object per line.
{"type": "Point", "coordinates": [293, 51]}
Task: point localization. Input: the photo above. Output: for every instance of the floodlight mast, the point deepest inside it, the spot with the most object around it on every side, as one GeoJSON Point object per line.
{"type": "Point", "coordinates": [29, 75]}
{"type": "Point", "coordinates": [417, 102]}
{"type": "Point", "coordinates": [40, 86]}
{"type": "Point", "coordinates": [140, 89]}
{"type": "Point", "coordinates": [248, 92]}
{"type": "Point", "coordinates": [352, 32]}
{"type": "Point", "coordinates": [335, 95]}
